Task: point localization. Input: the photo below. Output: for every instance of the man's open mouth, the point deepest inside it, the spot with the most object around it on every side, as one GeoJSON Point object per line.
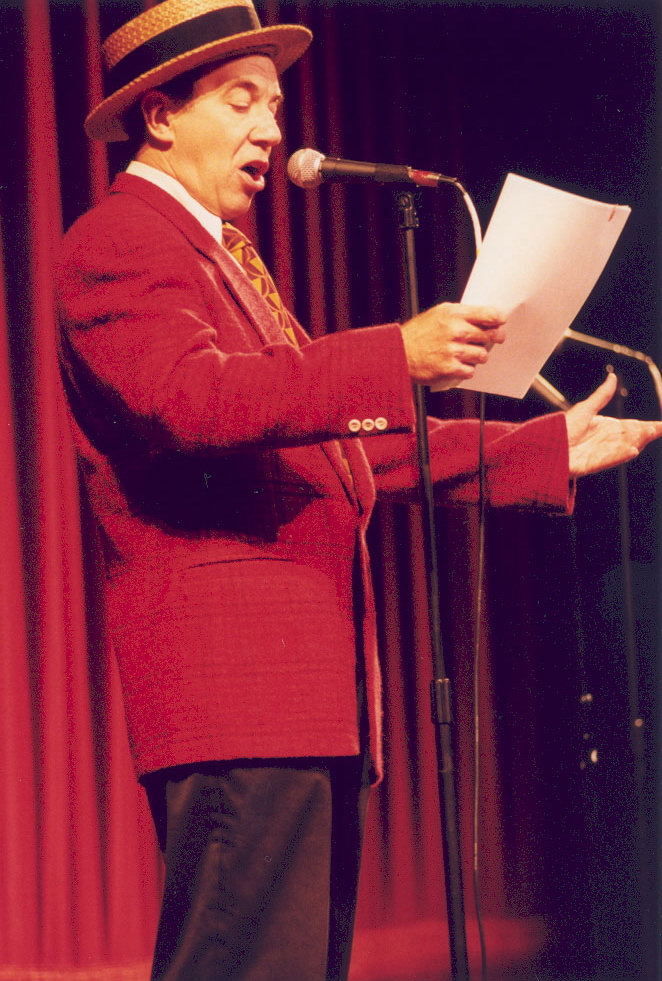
{"type": "Point", "coordinates": [256, 170]}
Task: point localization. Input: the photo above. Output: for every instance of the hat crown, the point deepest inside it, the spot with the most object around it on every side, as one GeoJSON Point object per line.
{"type": "Point", "coordinates": [163, 17]}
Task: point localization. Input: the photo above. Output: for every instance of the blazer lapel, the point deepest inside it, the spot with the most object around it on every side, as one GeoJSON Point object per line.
{"type": "Point", "coordinates": [238, 283]}
{"type": "Point", "coordinates": [357, 483]}
{"type": "Point", "coordinates": [235, 279]}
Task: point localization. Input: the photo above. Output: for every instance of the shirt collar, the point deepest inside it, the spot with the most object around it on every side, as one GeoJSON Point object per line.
{"type": "Point", "coordinates": [212, 223]}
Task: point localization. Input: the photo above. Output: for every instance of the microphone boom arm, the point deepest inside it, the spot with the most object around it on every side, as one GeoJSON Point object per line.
{"type": "Point", "coordinates": [625, 352]}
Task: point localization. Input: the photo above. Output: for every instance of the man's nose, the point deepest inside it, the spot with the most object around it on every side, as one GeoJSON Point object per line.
{"type": "Point", "coordinates": [266, 130]}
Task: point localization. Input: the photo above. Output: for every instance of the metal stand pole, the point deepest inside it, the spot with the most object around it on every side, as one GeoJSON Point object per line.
{"type": "Point", "coordinates": [440, 688]}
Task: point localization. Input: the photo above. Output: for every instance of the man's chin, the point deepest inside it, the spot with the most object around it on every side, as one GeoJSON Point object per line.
{"type": "Point", "coordinates": [230, 210]}
{"type": "Point", "coordinates": [231, 213]}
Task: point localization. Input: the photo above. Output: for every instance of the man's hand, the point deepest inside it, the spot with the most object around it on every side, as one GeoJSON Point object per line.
{"type": "Point", "coordinates": [599, 442]}
{"type": "Point", "coordinates": [444, 344]}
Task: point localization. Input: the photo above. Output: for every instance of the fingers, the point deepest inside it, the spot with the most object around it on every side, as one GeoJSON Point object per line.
{"type": "Point", "coordinates": [472, 332]}
{"type": "Point", "coordinates": [480, 316]}
{"type": "Point", "coordinates": [477, 325]}
{"type": "Point", "coordinates": [602, 394]}
{"type": "Point", "coordinates": [609, 442]}
{"type": "Point", "coordinates": [486, 337]}
{"type": "Point", "coordinates": [648, 431]}
{"type": "Point", "coordinates": [447, 342]}
{"type": "Point", "coordinates": [582, 416]}
{"type": "Point", "coordinates": [475, 322]}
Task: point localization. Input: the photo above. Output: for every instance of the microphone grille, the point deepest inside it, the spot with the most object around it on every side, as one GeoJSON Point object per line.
{"type": "Point", "coordinates": [303, 168]}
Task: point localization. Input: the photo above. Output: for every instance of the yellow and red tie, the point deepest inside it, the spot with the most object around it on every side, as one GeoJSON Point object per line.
{"type": "Point", "coordinates": [246, 255]}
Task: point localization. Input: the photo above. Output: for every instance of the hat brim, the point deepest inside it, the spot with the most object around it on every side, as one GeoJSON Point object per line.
{"type": "Point", "coordinates": [283, 43]}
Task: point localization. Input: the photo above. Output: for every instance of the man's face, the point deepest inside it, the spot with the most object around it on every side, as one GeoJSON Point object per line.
{"type": "Point", "coordinates": [221, 139]}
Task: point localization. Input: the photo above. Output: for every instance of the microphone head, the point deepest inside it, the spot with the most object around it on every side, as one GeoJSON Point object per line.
{"type": "Point", "coordinates": [303, 168]}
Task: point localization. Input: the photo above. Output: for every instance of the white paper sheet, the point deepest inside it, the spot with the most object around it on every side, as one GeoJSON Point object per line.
{"type": "Point", "coordinates": [542, 254]}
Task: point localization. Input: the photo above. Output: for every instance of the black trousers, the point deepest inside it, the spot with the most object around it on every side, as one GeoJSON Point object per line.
{"type": "Point", "coordinates": [262, 863]}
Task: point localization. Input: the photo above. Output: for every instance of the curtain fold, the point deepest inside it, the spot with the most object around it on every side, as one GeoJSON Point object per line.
{"type": "Point", "coordinates": [18, 824]}
{"type": "Point", "coordinates": [73, 825]}
{"type": "Point", "coordinates": [443, 86]}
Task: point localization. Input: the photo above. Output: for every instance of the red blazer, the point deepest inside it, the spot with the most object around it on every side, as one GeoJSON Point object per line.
{"type": "Point", "coordinates": [238, 585]}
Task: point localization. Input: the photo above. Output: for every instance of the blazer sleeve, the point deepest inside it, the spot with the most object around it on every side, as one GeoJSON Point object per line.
{"type": "Point", "coordinates": [153, 338]}
{"type": "Point", "coordinates": [526, 465]}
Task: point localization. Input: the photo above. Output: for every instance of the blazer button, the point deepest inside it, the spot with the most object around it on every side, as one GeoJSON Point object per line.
{"type": "Point", "coordinates": [381, 423]}
{"type": "Point", "coordinates": [354, 425]}
{"type": "Point", "coordinates": [368, 425]}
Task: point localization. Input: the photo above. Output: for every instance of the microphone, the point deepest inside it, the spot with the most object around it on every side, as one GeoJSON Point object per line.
{"type": "Point", "coordinates": [308, 168]}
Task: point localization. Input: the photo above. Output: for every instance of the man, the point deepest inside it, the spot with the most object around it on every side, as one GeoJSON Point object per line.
{"type": "Point", "coordinates": [222, 457]}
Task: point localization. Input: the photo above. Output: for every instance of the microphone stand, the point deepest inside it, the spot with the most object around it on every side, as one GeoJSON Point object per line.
{"type": "Point", "coordinates": [440, 687]}
{"type": "Point", "coordinates": [636, 724]}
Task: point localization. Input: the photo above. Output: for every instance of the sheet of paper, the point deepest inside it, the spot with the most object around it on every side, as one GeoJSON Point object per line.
{"type": "Point", "coordinates": [541, 256]}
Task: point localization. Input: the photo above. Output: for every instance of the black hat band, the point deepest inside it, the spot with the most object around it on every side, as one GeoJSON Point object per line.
{"type": "Point", "coordinates": [180, 39]}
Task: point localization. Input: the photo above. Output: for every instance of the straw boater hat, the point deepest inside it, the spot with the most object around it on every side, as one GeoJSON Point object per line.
{"type": "Point", "coordinates": [175, 36]}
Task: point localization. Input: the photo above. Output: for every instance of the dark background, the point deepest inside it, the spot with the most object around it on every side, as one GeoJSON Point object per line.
{"type": "Point", "coordinates": [566, 94]}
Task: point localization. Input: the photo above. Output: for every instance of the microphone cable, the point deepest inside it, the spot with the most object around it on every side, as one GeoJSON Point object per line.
{"type": "Point", "coordinates": [476, 687]}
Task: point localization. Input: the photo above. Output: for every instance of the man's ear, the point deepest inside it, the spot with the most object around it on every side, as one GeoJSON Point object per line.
{"type": "Point", "coordinates": [157, 109]}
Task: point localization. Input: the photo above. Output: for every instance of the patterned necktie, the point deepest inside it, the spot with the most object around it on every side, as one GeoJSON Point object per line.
{"type": "Point", "coordinates": [246, 255]}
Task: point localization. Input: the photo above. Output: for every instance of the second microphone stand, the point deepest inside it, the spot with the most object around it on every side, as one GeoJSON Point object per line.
{"type": "Point", "coordinates": [440, 688]}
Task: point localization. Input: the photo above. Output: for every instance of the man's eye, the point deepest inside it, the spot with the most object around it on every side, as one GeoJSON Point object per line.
{"type": "Point", "coordinates": [240, 106]}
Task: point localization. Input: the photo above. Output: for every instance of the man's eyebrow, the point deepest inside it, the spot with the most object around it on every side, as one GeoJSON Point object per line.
{"type": "Point", "coordinates": [254, 88]}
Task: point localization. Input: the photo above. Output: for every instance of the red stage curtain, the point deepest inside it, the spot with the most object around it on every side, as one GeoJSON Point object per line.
{"type": "Point", "coordinates": [79, 870]}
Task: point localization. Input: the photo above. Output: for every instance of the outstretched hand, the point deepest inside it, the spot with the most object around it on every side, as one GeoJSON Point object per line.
{"type": "Point", "coordinates": [598, 442]}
